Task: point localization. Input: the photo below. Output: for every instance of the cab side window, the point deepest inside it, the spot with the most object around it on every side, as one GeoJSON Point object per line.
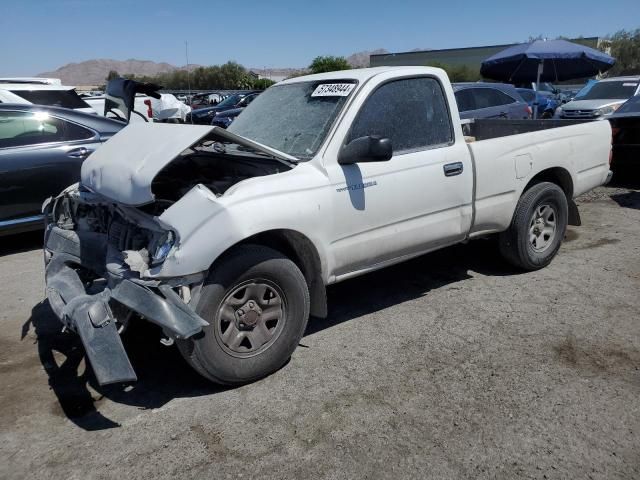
{"type": "Point", "coordinates": [412, 113]}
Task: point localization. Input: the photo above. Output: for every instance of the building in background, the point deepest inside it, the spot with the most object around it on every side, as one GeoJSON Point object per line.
{"type": "Point", "coordinates": [470, 57]}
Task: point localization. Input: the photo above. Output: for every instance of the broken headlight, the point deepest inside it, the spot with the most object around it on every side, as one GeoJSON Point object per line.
{"type": "Point", "coordinates": [162, 247]}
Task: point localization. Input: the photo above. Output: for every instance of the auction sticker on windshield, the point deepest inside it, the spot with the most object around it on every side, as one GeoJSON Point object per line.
{"type": "Point", "coordinates": [333, 90]}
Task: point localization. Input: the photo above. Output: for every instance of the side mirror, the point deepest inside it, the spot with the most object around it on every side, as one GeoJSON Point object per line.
{"type": "Point", "coordinates": [366, 149]}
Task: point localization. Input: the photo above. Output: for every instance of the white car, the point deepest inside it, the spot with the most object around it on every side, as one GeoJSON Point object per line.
{"type": "Point", "coordinates": [227, 239]}
{"type": "Point", "coordinates": [599, 100]}
{"type": "Point", "coordinates": [32, 91]}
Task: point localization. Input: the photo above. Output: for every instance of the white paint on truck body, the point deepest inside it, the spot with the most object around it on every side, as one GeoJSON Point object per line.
{"type": "Point", "coordinates": [364, 216]}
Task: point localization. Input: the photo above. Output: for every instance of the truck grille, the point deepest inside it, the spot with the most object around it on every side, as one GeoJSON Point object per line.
{"type": "Point", "coordinates": [578, 113]}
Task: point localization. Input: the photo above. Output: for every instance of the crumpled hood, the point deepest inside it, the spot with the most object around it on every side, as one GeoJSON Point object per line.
{"type": "Point", "coordinates": [124, 167]}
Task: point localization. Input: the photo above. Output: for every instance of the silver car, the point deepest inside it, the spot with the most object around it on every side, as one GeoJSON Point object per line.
{"type": "Point", "coordinates": [490, 100]}
{"type": "Point", "coordinates": [600, 99]}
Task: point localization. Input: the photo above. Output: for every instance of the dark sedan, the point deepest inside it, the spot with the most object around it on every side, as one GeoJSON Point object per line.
{"type": "Point", "coordinates": [41, 152]}
{"type": "Point", "coordinates": [203, 116]}
{"type": "Point", "coordinates": [625, 126]}
{"type": "Point", "coordinates": [224, 119]}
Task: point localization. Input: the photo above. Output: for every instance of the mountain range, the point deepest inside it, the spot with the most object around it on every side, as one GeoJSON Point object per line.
{"type": "Point", "coordinates": [94, 72]}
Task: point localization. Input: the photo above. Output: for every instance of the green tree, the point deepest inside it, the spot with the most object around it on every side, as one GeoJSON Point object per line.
{"type": "Point", "coordinates": [230, 76]}
{"type": "Point", "coordinates": [328, 64]}
{"type": "Point", "coordinates": [112, 74]}
{"type": "Point", "coordinates": [261, 83]}
{"type": "Point", "coordinates": [459, 73]}
{"type": "Point", "coordinates": [625, 48]}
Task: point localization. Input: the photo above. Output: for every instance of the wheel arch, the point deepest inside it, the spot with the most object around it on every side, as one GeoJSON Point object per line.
{"type": "Point", "coordinates": [303, 252]}
{"type": "Point", "coordinates": [561, 177]}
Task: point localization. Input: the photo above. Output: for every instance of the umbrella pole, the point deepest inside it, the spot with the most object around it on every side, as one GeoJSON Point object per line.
{"type": "Point", "coordinates": [535, 101]}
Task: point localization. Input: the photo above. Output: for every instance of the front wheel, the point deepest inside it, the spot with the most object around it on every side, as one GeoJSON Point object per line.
{"type": "Point", "coordinates": [537, 228]}
{"type": "Point", "coordinates": [256, 301]}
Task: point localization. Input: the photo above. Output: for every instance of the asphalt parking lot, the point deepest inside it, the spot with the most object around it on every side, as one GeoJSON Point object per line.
{"type": "Point", "coordinates": [448, 366]}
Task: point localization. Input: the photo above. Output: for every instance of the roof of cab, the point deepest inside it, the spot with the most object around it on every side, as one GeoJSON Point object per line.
{"type": "Point", "coordinates": [359, 74]}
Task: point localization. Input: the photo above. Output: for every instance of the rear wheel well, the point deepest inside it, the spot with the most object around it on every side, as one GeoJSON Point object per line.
{"type": "Point", "coordinates": [562, 178]}
{"type": "Point", "coordinates": [304, 254]}
{"type": "Point", "coordinates": [557, 175]}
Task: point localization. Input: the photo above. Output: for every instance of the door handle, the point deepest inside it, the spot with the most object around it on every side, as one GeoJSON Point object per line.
{"type": "Point", "coordinates": [452, 169]}
{"type": "Point", "coordinates": [81, 152]}
{"type": "Point", "coordinates": [503, 114]}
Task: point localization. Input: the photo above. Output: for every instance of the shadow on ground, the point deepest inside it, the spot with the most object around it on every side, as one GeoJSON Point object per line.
{"type": "Point", "coordinates": [163, 374]}
{"type": "Point", "coordinates": [626, 177]}
{"type": "Point", "coordinates": [627, 200]}
{"type": "Point", "coordinates": [21, 242]}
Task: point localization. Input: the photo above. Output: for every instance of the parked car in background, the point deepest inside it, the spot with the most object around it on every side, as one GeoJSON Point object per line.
{"type": "Point", "coordinates": [625, 126]}
{"type": "Point", "coordinates": [490, 100]}
{"type": "Point", "coordinates": [560, 93]}
{"type": "Point", "coordinates": [32, 80]}
{"type": "Point", "coordinates": [547, 103]}
{"type": "Point", "coordinates": [149, 105]}
{"type": "Point", "coordinates": [203, 116]}
{"type": "Point", "coordinates": [601, 99]}
{"type": "Point", "coordinates": [203, 100]}
{"type": "Point", "coordinates": [39, 93]}
{"type": "Point", "coordinates": [224, 119]}
{"type": "Point", "coordinates": [41, 151]}
{"type": "Point", "coordinates": [539, 87]}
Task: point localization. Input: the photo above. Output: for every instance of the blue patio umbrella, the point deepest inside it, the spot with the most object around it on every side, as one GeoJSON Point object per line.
{"type": "Point", "coordinates": [546, 61]}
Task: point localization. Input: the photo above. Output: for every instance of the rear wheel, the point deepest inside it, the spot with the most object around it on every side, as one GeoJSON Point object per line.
{"type": "Point", "coordinates": [537, 228]}
{"type": "Point", "coordinates": [256, 301]}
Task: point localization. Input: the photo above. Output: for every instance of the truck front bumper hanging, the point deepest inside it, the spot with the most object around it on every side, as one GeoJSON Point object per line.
{"type": "Point", "coordinates": [86, 306]}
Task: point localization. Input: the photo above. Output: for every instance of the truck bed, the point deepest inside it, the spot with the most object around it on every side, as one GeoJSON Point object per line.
{"type": "Point", "coordinates": [487, 128]}
{"type": "Point", "coordinates": [505, 161]}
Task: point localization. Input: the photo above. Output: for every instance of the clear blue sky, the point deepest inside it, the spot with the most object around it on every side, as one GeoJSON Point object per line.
{"type": "Point", "coordinates": [41, 35]}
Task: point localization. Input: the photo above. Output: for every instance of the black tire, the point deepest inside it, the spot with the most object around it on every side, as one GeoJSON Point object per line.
{"type": "Point", "coordinates": [207, 352]}
{"type": "Point", "coordinates": [515, 243]}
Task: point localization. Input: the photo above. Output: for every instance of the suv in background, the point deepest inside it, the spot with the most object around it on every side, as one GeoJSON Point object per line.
{"type": "Point", "coordinates": [34, 91]}
{"type": "Point", "coordinates": [490, 100]}
{"type": "Point", "coordinates": [601, 99]}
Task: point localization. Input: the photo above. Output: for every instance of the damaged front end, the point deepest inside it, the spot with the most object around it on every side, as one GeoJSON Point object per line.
{"type": "Point", "coordinates": [115, 243]}
{"type": "Point", "coordinates": [96, 255]}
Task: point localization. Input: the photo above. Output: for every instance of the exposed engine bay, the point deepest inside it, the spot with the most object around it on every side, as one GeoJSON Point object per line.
{"type": "Point", "coordinates": [132, 232]}
{"type": "Point", "coordinates": [213, 168]}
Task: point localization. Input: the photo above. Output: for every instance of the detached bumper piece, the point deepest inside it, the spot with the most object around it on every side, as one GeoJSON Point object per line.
{"type": "Point", "coordinates": [87, 311]}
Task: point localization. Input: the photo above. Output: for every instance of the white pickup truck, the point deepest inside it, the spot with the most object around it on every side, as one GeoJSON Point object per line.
{"type": "Point", "coordinates": [227, 239]}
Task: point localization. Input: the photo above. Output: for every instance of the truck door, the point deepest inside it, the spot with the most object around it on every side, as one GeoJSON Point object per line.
{"type": "Point", "coordinates": [418, 200]}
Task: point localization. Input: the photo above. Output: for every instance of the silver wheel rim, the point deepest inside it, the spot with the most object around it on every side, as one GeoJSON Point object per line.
{"type": "Point", "coordinates": [250, 318]}
{"type": "Point", "coordinates": [542, 227]}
